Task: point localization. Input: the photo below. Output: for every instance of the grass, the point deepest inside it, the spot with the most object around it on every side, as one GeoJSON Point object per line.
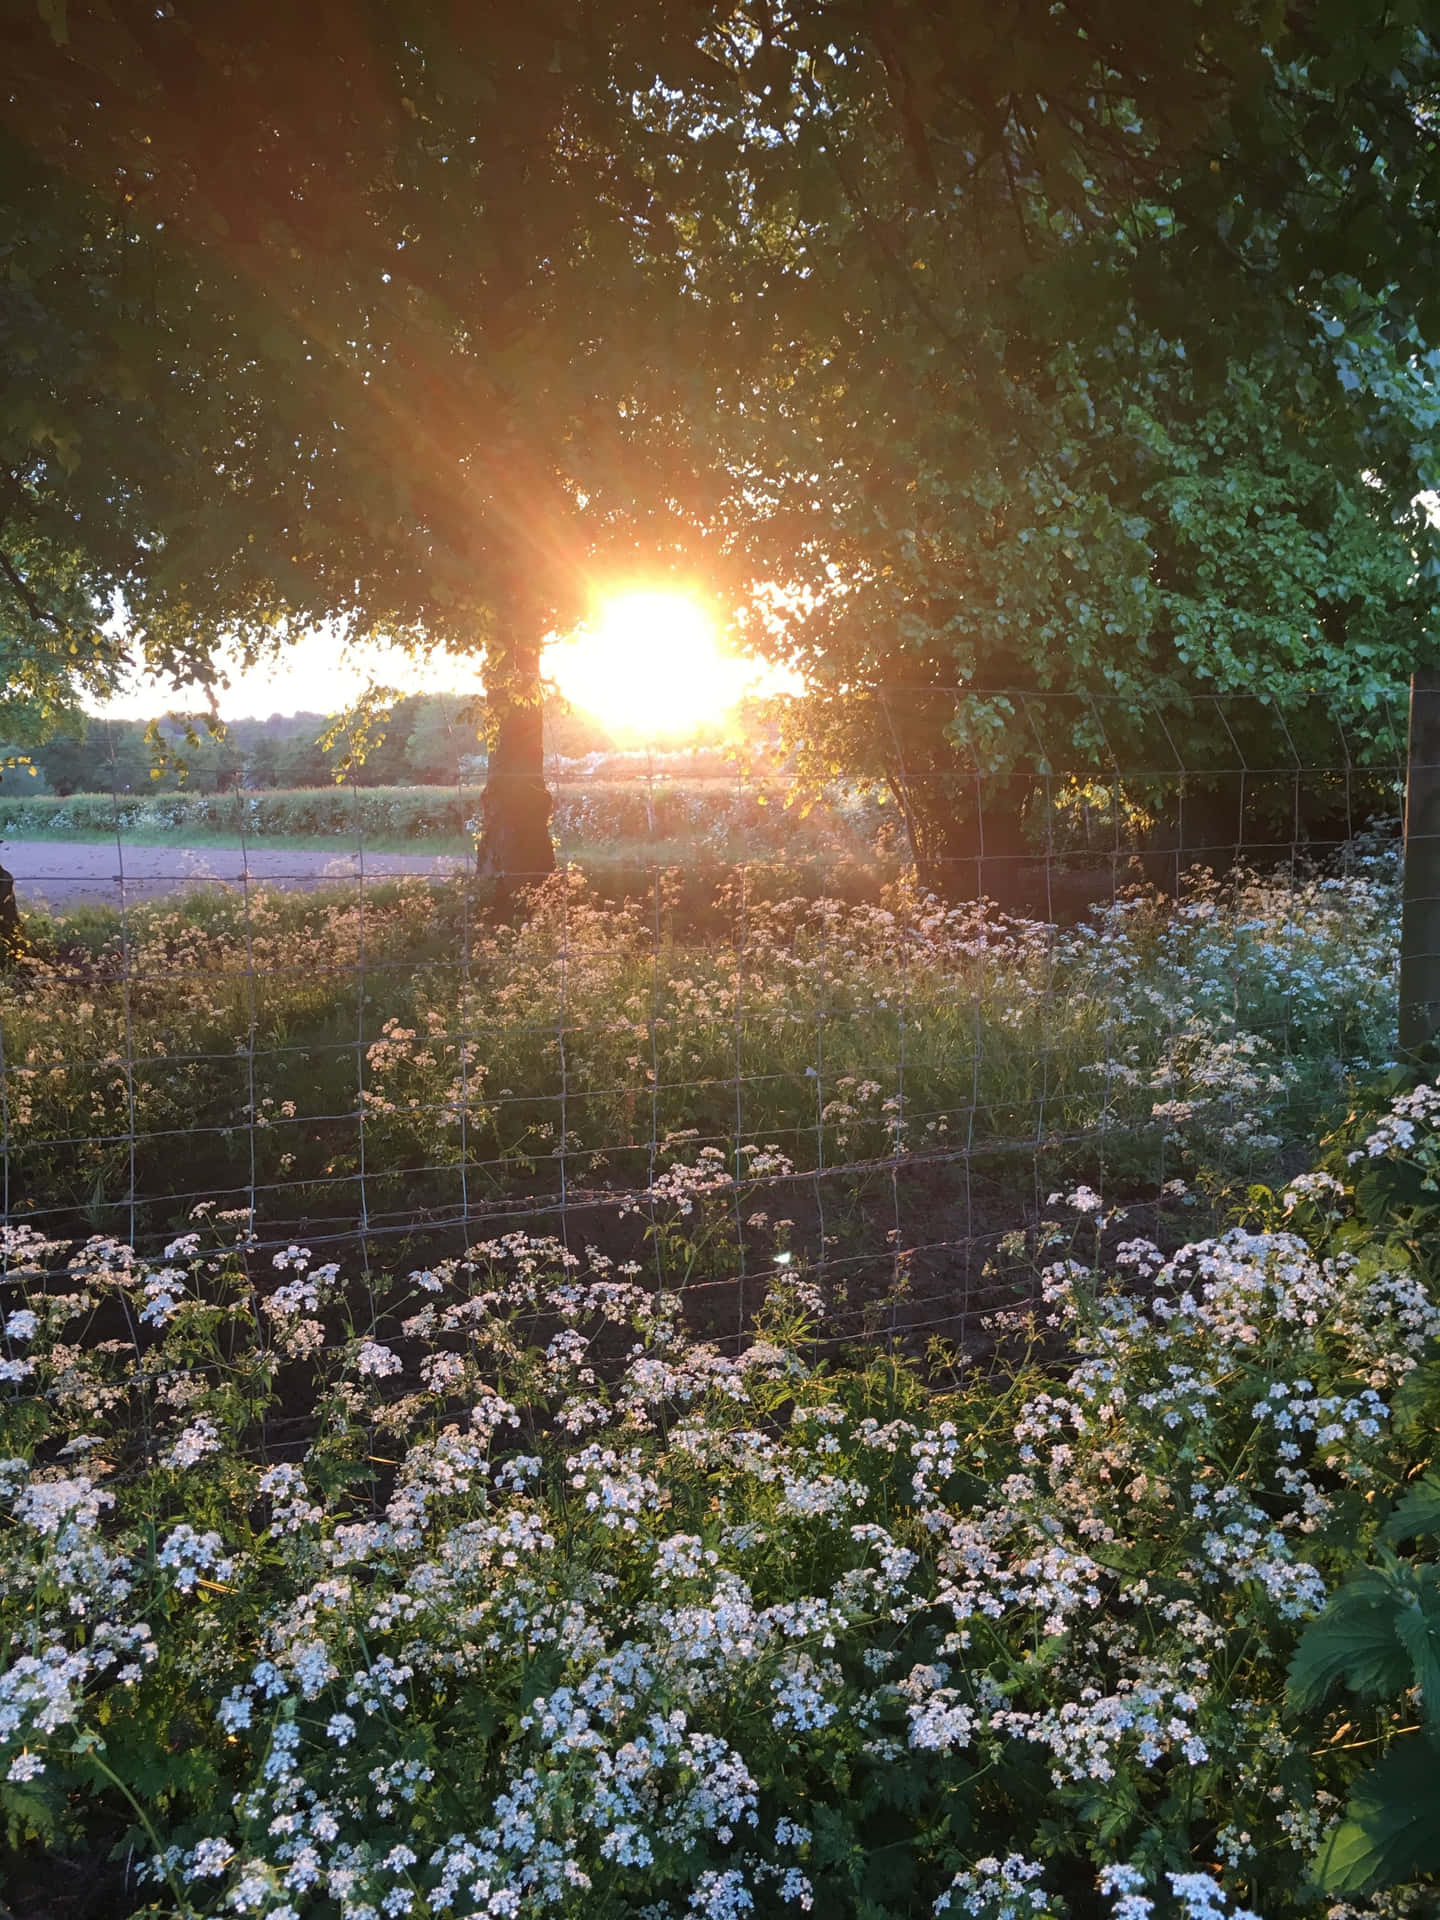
{"type": "Point", "coordinates": [201, 840]}
{"type": "Point", "coordinates": [705, 820]}
{"type": "Point", "coordinates": [631, 854]}
{"type": "Point", "coordinates": [395, 1062]}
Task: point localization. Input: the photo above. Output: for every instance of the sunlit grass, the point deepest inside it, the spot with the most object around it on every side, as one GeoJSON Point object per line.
{"type": "Point", "coordinates": [330, 1053]}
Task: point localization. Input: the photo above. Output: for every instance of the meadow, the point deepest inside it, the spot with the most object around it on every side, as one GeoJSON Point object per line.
{"type": "Point", "coordinates": [375, 1057]}
{"type": "Point", "coordinates": [714, 1398]}
{"type": "Point", "coordinates": [632, 808]}
{"type": "Point", "coordinates": [743, 1380]}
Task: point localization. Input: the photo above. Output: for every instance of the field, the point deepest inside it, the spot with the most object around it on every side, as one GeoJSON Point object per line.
{"type": "Point", "coordinates": [712, 1402]}
{"type": "Point", "coordinates": [840, 1319]}
{"type": "Point", "coordinates": [661, 816]}
{"type": "Point", "coordinates": [61, 875]}
{"type": "Point", "coordinates": [365, 1057]}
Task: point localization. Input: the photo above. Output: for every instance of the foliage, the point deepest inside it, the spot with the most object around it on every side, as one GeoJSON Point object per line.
{"type": "Point", "coordinates": [1134, 431]}
{"type": "Point", "coordinates": [911, 332]}
{"type": "Point", "coordinates": [429, 739]}
{"type": "Point", "coordinates": [1208, 543]}
{"type": "Point", "coordinates": [352, 364]}
{"type": "Point", "coordinates": [175, 751]}
{"type": "Point", "coordinates": [56, 646]}
{"type": "Point", "coordinates": [1379, 1636]}
{"type": "Point", "coordinates": [88, 755]}
{"type": "Point", "coordinates": [352, 814]}
{"type": "Point", "coordinates": [593, 821]}
{"type": "Point", "coordinates": [546, 1605]}
{"type": "Point", "coordinates": [308, 1047]}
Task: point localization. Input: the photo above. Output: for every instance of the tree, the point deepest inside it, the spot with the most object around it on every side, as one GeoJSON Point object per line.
{"type": "Point", "coordinates": [442, 731]}
{"type": "Point", "coordinates": [262, 763]}
{"type": "Point", "coordinates": [1093, 388]}
{"type": "Point", "coordinates": [419, 321]}
{"type": "Point", "coordinates": [312, 317]}
{"type": "Point", "coordinates": [1153, 533]}
{"type": "Point", "coordinates": [53, 649]}
{"type": "Point", "coordinates": [301, 761]}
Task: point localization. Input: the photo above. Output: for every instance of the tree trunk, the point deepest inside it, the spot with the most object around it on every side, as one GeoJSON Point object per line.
{"type": "Point", "coordinates": [966, 830]}
{"type": "Point", "coordinates": [969, 841]}
{"type": "Point", "coordinates": [515, 850]}
{"type": "Point", "coordinates": [11, 938]}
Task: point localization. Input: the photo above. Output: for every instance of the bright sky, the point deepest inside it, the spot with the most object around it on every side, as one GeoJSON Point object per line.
{"type": "Point", "coordinates": [318, 675]}
{"type": "Point", "coordinates": [651, 666]}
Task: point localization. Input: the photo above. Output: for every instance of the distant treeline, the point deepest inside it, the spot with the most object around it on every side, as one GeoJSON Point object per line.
{"type": "Point", "coordinates": [430, 740]}
{"type": "Point", "coordinates": [426, 743]}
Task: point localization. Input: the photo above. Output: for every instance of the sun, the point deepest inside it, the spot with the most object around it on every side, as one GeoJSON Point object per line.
{"type": "Point", "coordinates": [651, 667]}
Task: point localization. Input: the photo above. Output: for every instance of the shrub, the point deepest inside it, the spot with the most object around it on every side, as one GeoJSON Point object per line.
{"type": "Point", "coordinates": [350, 813]}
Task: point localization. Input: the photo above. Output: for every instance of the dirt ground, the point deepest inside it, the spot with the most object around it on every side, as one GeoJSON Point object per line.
{"type": "Point", "coordinates": [63, 873]}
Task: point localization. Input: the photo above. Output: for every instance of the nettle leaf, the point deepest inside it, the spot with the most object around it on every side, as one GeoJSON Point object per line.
{"type": "Point", "coordinates": [26, 1812]}
{"type": "Point", "coordinates": [899, 1786]}
{"type": "Point", "coordinates": [1355, 1640]}
{"type": "Point", "coordinates": [1346, 1524]}
{"type": "Point", "coordinates": [1418, 1512]}
{"type": "Point", "coordinates": [1389, 1833]}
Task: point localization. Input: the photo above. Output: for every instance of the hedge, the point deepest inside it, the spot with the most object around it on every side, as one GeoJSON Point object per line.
{"type": "Point", "coordinates": [708, 814]}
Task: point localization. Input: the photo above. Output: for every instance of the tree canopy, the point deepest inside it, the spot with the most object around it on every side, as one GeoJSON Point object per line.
{"type": "Point", "coordinates": [346, 315]}
{"type": "Point", "coordinates": [1119, 396]}
{"type": "Point", "coordinates": [1081, 350]}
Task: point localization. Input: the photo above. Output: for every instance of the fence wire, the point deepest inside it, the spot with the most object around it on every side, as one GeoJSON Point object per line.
{"type": "Point", "coordinates": [1046, 957]}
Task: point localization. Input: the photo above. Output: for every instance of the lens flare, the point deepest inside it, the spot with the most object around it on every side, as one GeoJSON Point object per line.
{"type": "Point", "coordinates": [651, 667]}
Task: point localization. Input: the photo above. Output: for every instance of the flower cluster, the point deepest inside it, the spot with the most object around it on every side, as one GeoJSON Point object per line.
{"type": "Point", "coordinates": [379, 1041]}
{"type": "Point", "coordinates": [546, 1602]}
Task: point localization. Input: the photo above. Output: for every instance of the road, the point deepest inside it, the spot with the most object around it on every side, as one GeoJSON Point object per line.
{"type": "Point", "coordinates": [63, 873]}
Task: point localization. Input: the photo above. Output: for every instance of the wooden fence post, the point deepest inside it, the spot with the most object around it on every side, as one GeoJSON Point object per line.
{"type": "Point", "coordinates": [1420, 913]}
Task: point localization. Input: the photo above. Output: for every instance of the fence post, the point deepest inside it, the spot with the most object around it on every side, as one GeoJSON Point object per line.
{"type": "Point", "coordinates": [12, 941]}
{"type": "Point", "coordinates": [1420, 913]}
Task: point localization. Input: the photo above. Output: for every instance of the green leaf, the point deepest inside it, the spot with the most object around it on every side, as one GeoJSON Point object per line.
{"type": "Point", "coordinates": [1417, 1402]}
{"type": "Point", "coordinates": [27, 1813]}
{"type": "Point", "coordinates": [834, 1837]}
{"type": "Point", "coordinates": [1389, 1832]}
{"type": "Point", "coordinates": [1418, 1629]}
{"type": "Point", "coordinates": [1418, 1512]}
{"type": "Point", "coordinates": [1354, 1640]}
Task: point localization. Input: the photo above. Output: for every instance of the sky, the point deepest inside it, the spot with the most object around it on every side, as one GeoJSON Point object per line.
{"type": "Point", "coordinates": [651, 663]}
{"type": "Point", "coordinates": [318, 675]}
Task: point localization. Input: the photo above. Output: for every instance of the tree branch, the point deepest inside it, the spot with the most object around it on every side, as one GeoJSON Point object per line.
{"type": "Point", "coordinates": [31, 604]}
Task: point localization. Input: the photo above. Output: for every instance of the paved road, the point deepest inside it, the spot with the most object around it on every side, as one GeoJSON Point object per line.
{"type": "Point", "coordinates": [61, 873]}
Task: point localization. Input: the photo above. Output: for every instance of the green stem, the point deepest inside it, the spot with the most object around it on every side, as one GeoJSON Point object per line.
{"type": "Point", "coordinates": [93, 1753]}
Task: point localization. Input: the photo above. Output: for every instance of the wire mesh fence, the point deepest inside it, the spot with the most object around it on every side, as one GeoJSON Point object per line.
{"type": "Point", "coordinates": [1050, 950]}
